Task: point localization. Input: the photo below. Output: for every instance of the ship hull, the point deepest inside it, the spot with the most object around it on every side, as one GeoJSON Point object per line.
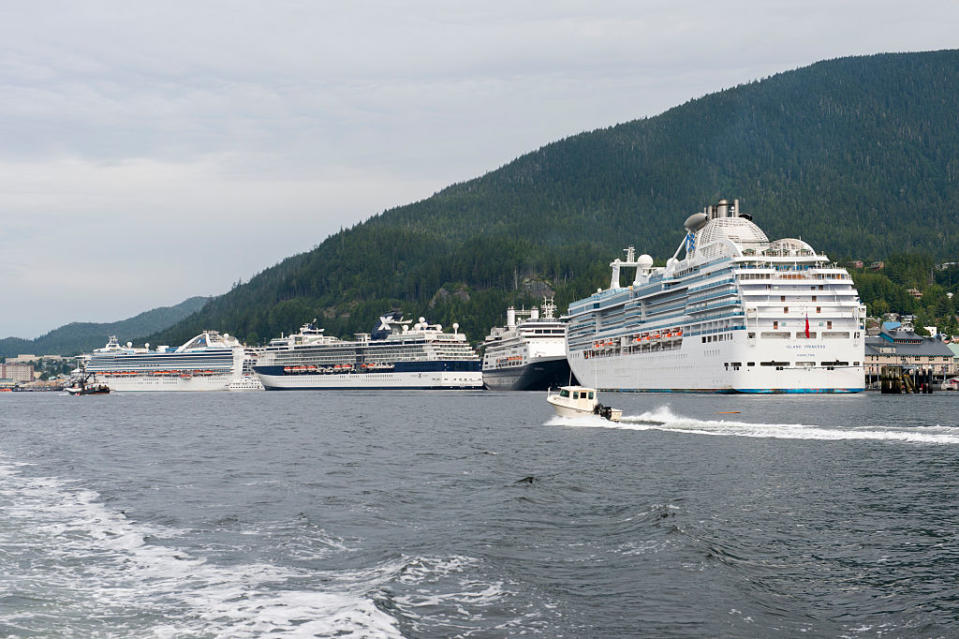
{"type": "Point", "coordinates": [708, 368]}
{"type": "Point", "coordinates": [540, 374]}
{"type": "Point", "coordinates": [138, 383]}
{"type": "Point", "coordinates": [421, 378]}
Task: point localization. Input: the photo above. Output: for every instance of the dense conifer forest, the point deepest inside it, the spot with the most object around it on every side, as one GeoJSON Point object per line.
{"type": "Point", "coordinates": [858, 156]}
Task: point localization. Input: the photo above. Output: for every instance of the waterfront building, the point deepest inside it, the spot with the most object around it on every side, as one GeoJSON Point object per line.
{"type": "Point", "coordinates": [18, 373]}
{"type": "Point", "coordinates": [906, 349]}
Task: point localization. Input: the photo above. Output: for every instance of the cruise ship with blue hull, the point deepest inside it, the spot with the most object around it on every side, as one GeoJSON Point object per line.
{"type": "Point", "coordinates": [731, 311]}
{"type": "Point", "coordinates": [394, 356]}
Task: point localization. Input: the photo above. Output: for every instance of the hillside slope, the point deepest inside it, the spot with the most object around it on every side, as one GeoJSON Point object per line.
{"type": "Point", "coordinates": [82, 337]}
{"type": "Point", "coordinates": [859, 156]}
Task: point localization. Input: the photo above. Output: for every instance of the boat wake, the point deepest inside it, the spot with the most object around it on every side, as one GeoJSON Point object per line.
{"type": "Point", "coordinates": [663, 419]}
{"type": "Point", "coordinates": [100, 565]}
{"type": "Point", "coordinates": [70, 564]}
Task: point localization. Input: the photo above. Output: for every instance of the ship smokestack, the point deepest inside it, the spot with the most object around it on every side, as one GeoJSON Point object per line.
{"type": "Point", "coordinates": [511, 317]}
{"type": "Point", "coordinates": [534, 313]}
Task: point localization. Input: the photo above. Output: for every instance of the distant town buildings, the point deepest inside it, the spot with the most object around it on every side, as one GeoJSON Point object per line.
{"type": "Point", "coordinates": [18, 373]}
{"type": "Point", "coordinates": [26, 358]}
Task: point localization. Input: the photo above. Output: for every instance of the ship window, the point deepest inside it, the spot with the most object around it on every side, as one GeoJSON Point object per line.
{"type": "Point", "coordinates": [814, 298]}
{"type": "Point", "coordinates": [591, 394]}
{"type": "Point", "coordinates": [775, 324]}
{"type": "Point", "coordinates": [829, 324]}
{"type": "Point", "coordinates": [564, 393]}
{"type": "Point", "coordinates": [782, 298]}
{"type": "Point", "coordinates": [751, 336]}
{"type": "Point", "coordinates": [819, 309]}
{"type": "Point", "coordinates": [785, 309]}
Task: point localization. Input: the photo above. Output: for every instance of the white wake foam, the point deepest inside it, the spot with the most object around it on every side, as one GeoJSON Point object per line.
{"type": "Point", "coordinates": [663, 419]}
{"type": "Point", "coordinates": [72, 559]}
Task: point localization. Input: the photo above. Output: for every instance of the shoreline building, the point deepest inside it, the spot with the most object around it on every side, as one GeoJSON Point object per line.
{"type": "Point", "coordinates": [905, 349]}
{"type": "Point", "coordinates": [18, 373]}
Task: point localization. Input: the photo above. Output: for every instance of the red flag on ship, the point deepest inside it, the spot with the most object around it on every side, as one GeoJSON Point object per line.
{"type": "Point", "coordinates": [807, 327]}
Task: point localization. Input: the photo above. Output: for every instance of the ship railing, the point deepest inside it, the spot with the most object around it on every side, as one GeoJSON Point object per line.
{"type": "Point", "coordinates": [800, 314]}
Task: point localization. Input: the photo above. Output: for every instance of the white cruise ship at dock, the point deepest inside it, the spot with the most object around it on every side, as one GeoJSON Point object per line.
{"type": "Point", "coordinates": [730, 312]}
{"type": "Point", "coordinates": [208, 362]}
{"type": "Point", "coordinates": [394, 356]}
{"type": "Point", "coordinates": [529, 353]}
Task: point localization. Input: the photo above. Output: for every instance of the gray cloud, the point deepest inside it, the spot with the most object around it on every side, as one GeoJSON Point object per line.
{"type": "Point", "coordinates": [170, 149]}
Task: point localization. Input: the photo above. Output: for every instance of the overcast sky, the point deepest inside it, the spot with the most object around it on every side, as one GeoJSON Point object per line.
{"type": "Point", "coordinates": [150, 152]}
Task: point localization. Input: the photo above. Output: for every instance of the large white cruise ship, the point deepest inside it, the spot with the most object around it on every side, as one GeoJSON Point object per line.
{"type": "Point", "coordinates": [208, 362]}
{"type": "Point", "coordinates": [730, 312]}
{"type": "Point", "coordinates": [394, 356]}
{"type": "Point", "coordinates": [529, 353]}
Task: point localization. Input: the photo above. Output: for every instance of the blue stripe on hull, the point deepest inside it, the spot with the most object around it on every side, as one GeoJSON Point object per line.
{"type": "Point", "coordinates": [443, 366]}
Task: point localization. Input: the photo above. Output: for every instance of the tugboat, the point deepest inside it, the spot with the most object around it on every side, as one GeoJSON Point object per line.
{"type": "Point", "coordinates": [86, 384]}
{"type": "Point", "coordinates": [578, 401]}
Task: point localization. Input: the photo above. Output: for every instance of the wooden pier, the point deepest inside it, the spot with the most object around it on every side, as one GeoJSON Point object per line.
{"type": "Point", "coordinates": [899, 380]}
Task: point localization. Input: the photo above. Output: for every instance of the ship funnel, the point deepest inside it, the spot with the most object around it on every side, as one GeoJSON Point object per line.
{"type": "Point", "coordinates": [723, 207]}
{"type": "Point", "coordinates": [511, 317]}
{"type": "Point", "coordinates": [534, 313]}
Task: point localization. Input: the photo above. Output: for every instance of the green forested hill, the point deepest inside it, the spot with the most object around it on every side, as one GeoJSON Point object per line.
{"type": "Point", "coordinates": [859, 156]}
{"type": "Point", "coordinates": [82, 337]}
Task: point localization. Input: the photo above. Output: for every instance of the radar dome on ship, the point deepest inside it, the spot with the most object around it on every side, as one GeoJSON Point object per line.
{"type": "Point", "coordinates": [644, 261]}
{"type": "Point", "coordinates": [695, 222]}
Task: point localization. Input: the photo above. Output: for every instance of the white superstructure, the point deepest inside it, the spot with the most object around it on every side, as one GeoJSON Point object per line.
{"type": "Point", "coordinates": [208, 362]}
{"type": "Point", "coordinates": [730, 312]}
{"type": "Point", "coordinates": [396, 355]}
{"type": "Point", "coordinates": [529, 353]}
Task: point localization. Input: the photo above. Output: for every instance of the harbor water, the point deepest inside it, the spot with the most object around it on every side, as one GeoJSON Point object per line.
{"type": "Point", "coordinates": [477, 514]}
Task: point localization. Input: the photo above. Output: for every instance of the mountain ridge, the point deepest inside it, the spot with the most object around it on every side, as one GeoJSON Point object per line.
{"type": "Point", "coordinates": [81, 337]}
{"type": "Point", "coordinates": [856, 155]}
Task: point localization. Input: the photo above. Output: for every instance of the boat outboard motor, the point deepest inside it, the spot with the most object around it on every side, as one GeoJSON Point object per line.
{"type": "Point", "coordinates": [605, 412]}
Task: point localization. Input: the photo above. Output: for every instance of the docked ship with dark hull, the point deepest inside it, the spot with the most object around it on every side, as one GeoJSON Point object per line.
{"type": "Point", "coordinates": [529, 353]}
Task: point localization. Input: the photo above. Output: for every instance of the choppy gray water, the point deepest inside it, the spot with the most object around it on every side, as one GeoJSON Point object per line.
{"type": "Point", "coordinates": [432, 514]}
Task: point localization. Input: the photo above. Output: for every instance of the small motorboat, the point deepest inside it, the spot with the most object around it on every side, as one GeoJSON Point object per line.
{"type": "Point", "coordinates": [87, 385]}
{"type": "Point", "coordinates": [577, 401]}
{"type": "Point", "coordinates": [88, 389]}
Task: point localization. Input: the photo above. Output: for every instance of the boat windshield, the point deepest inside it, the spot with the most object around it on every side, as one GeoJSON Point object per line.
{"type": "Point", "coordinates": [564, 393]}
